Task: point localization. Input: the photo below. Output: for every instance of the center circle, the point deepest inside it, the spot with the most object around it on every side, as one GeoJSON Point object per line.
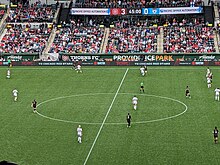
{"type": "Point", "coordinates": [112, 123]}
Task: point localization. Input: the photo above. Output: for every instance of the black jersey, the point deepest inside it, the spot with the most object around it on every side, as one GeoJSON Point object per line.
{"type": "Point", "coordinates": [128, 118]}
{"type": "Point", "coordinates": [34, 104]}
{"type": "Point", "coordinates": [187, 91]}
{"type": "Point", "coordinates": [215, 132]}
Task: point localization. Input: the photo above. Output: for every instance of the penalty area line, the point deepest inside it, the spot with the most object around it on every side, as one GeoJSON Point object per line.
{"type": "Point", "coordinates": [103, 122]}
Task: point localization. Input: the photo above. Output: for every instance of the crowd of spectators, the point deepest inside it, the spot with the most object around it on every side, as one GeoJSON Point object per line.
{"type": "Point", "coordinates": [78, 38]}
{"type": "Point", "coordinates": [188, 36]}
{"type": "Point", "coordinates": [24, 39]}
{"type": "Point", "coordinates": [137, 4]}
{"type": "Point", "coordinates": [2, 12]}
{"type": "Point", "coordinates": [132, 38]}
{"type": "Point", "coordinates": [36, 12]}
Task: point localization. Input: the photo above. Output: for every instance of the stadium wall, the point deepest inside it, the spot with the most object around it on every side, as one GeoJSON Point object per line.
{"type": "Point", "coordinates": [112, 63]}
{"type": "Point", "coordinates": [115, 60]}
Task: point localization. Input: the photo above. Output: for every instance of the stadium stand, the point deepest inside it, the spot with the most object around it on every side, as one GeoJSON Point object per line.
{"type": "Point", "coordinates": [132, 37]}
{"type": "Point", "coordinates": [132, 40]}
{"type": "Point", "coordinates": [36, 12]}
{"type": "Point", "coordinates": [78, 38]}
{"type": "Point", "coordinates": [24, 38]}
{"type": "Point", "coordinates": [188, 36]}
{"type": "Point", "coordinates": [2, 12]}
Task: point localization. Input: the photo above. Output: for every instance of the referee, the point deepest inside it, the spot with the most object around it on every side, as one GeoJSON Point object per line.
{"type": "Point", "coordinates": [128, 117]}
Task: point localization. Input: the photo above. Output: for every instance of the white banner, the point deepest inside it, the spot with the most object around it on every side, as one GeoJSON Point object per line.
{"type": "Point", "coordinates": [180, 10]}
{"type": "Point", "coordinates": [89, 11]}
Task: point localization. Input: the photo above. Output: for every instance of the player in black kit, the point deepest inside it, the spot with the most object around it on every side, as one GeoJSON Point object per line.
{"type": "Point", "coordinates": [128, 117]}
{"type": "Point", "coordinates": [34, 105]}
{"type": "Point", "coordinates": [187, 92]}
{"type": "Point", "coordinates": [215, 133]}
{"type": "Point", "coordinates": [145, 69]}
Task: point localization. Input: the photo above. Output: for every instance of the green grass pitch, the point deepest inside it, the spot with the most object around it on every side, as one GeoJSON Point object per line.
{"type": "Point", "coordinates": [99, 99]}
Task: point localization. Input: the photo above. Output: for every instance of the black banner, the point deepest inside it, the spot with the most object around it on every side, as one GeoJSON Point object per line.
{"type": "Point", "coordinates": [114, 63]}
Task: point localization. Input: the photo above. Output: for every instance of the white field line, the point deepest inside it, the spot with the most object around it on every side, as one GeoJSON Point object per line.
{"type": "Point", "coordinates": [62, 97]}
{"type": "Point", "coordinates": [90, 94]}
{"type": "Point", "coordinates": [103, 122]}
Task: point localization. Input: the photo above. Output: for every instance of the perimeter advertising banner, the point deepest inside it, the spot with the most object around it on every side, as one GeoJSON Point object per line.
{"type": "Point", "coordinates": [19, 56]}
{"type": "Point", "coordinates": [170, 11]}
{"type": "Point", "coordinates": [90, 11]}
{"type": "Point", "coordinates": [123, 60]}
{"type": "Point", "coordinates": [113, 63]}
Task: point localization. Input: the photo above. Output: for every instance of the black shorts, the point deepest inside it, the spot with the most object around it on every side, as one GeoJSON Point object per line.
{"type": "Point", "coordinates": [142, 86]}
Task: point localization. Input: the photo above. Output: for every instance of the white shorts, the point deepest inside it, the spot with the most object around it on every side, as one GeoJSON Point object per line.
{"type": "Point", "coordinates": [15, 94]}
{"type": "Point", "coordinates": [134, 102]}
{"type": "Point", "coordinates": [79, 134]}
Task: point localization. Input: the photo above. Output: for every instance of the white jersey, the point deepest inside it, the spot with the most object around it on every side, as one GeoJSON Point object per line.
{"type": "Point", "coordinates": [142, 69]}
{"type": "Point", "coordinates": [15, 93]}
{"type": "Point", "coordinates": [134, 100]}
{"type": "Point", "coordinates": [217, 91]}
{"type": "Point", "coordinates": [79, 131]}
{"type": "Point", "coordinates": [208, 71]}
{"type": "Point", "coordinates": [8, 72]}
{"type": "Point", "coordinates": [208, 80]}
{"type": "Point", "coordinates": [78, 67]}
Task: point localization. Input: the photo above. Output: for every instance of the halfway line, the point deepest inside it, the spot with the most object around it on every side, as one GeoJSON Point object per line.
{"type": "Point", "coordinates": [110, 107]}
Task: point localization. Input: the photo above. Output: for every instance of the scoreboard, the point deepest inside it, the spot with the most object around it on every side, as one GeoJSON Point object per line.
{"type": "Point", "coordinates": [124, 11]}
{"type": "Point", "coordinates": [136, 11]}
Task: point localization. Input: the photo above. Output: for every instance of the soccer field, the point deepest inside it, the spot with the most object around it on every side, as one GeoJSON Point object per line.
{"type": "Point", "coordinates": [166, 128]}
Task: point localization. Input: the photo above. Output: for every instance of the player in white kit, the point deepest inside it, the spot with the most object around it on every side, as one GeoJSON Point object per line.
{"type": "Point", "coordinates": [78, 69]}
{"type": "Point", "coordinates": [15, 94]}
{"type": "Point", "coordinates": [209, 83]}
{"type": "Point", "coordinates": [134, 102]}
{"type": "Point", "coordinates": [217, 91]}
{"type": "Point", "coordinates": [8, 74]}
{"type": "Point", "coordinates": [208, 71]}
{"type": "Point", "coordinates": [79, 134]}
{"type": "Point", "coordinates": [142, 70]}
